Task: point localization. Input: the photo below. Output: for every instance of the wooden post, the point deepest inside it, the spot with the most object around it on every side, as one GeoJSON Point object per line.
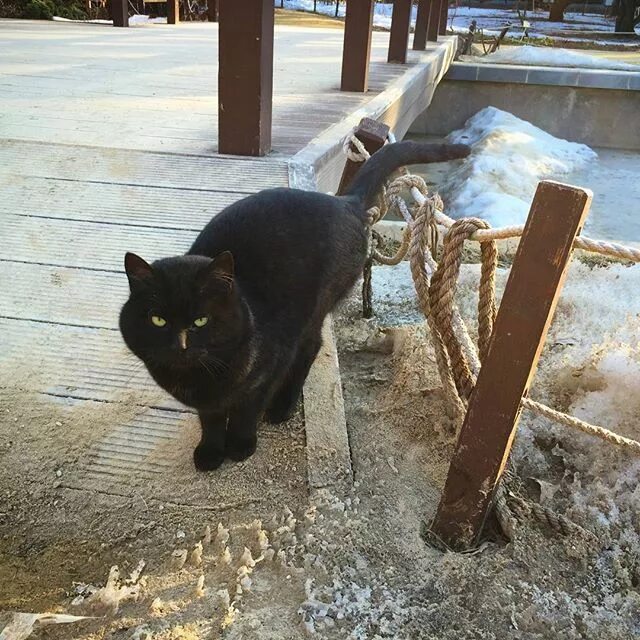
{"type": "Point", "coordinates": [357, 45]}
{"type": "Point", "coordinates": [556, 217]}
{"type": "Point", "coordinates": [173, 11]}
{"type": "Point", "coordinates": [373, 135]}
{"type": "Point", "coordinates": [212, 10]}
{"type": "Point", "coordinates": [119, 10]}
{"type": "Point", "coordinates": [399, 38]}
{"type": "Point", "coordinates": [245, 77]}
{"type": "Point", "coordinates": [444, 13]}
{"type": "Point", "coordinates": [434, 20]}
{"type": "Point", "coordinates": [422, 24]}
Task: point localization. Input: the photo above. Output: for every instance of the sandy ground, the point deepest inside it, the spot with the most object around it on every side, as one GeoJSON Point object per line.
{"type": "Point", "coordinates": [356, 565]}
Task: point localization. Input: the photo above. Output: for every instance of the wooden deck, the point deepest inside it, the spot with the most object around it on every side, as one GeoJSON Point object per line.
{"type": "Point", "coordinates": [108, 144]}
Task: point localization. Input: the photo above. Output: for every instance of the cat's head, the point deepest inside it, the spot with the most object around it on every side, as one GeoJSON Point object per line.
{"type": "Point", "coordinates": [182, 312]}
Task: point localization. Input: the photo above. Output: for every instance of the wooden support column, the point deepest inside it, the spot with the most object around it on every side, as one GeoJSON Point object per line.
{"type": "Point", "coordinates": [119, 10]}
{"type": "Point", "coordinates": [173, 11]}
{"type": "Point", "coordinates": [434, 20]}
{"type": "Point", "coordinates": [212, 10]}
{"type": "Point", "coordinates": [422, 24]}
{"type": "Point", "coordinates": [556, 217]}
{"type": "Point", "coordinates": [399, 38]}
{"type": "Point", "coordinates": [245, 77]}
{"type": "Point", "coordinates": [357, 45]}
{"type": "Point", "coordinates": [444, 13]}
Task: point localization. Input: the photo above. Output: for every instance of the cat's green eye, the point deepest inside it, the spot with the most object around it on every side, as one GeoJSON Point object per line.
{"type": "Point", "coordinates": [200, 322]}
{"type": "Point", "coordinates": [158, 321]}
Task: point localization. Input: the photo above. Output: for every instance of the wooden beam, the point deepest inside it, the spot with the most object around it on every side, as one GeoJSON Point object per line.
{"type": "Point", "coordinates": [173, 11]}
{"type": "Point", "coordinates": [444, 13]}
{"type": "Point", "coordinates": [556, 217]}
{"type": "Point", "coordinates": [119, 10]}
{"type": "Point", "coordinates": [245, 77]}
{"type": "Point", "coordinates": [422, 24]}
{"type": "Point", "coordinates": [357, 45]}
{"type": "Point", "coordinates": [434, 21]}
{"type": "Point", "coordinates": [399, 38]}
{"type": "Point", "coordinates": [212, 10]}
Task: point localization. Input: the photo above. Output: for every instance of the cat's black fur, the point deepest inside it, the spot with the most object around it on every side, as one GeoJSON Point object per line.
{"type": "Point", "coordinates": [265, 272]}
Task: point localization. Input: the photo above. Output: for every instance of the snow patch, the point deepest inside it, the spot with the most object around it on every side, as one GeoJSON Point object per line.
{"type": "Point", "coordinates": [509, 156]}
{"type": "Point", "coordinates": [546, 57]}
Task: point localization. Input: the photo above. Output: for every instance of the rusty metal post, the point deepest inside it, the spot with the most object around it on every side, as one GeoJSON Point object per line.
{"type": "Point", "coordinates": [399, 37]}
{"type": "Point", "coordinates": [212, 10]}
{"type": "Point", "coordinates": [357, 45]}
{"type": "Point", "coordinates": [444, 14]}
{"type": "Point", "coordinates": [373, 135]}
{"type": "Point", "coordinates": [245, 77]}
{"type": "Point", "coordinates": [173, 11]}
{"type": "Point", "coordinates": [434, 20]}
{"type": "Point", "coordinates": [556, 217]}
{"type": "Point", "coordinates": [119, 10]}
{"type": "Point", "coordinates": [422, 23]}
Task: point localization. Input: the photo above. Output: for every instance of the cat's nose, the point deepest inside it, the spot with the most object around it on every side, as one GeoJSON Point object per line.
{"type": "Point", "coordinates": [182, 339]}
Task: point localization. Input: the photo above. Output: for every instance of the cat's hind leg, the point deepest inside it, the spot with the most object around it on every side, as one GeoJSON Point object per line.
{"type": "Point", "coordinates": [284, 401]}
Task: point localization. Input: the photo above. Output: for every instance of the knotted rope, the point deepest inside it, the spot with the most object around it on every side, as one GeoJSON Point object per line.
{"type": "Point", "coordinates": [457, 359]}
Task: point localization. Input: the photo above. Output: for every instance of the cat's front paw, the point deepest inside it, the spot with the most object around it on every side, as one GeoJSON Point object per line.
{"type": "Point", "coordinates": [239, 449]}
{"type": "Point", "coordinates": [207, 458]}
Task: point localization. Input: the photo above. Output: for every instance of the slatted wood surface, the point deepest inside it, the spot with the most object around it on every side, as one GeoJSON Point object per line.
{"type": "Point", "coordinates": [107, 145]}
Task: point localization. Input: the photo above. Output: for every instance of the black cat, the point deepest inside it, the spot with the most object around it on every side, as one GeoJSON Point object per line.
{"type": "Point", "coordinates": [233, 327]}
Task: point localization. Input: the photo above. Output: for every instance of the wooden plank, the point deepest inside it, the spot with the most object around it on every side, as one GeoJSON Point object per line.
{"type": "Point", "coordinates": [422, 25]}
{"type": "Point", "coordinates": [356, 49]}
{"type": "Point", "coordinates": [399, 37]}
{"type": "Point", "coordinates": [119, 10]}
{"type": "Point", "coordinates": [556, 217]}
{"type": "Point", "coordinates": [173, 11]}
{"type": "Point", "coordinates": [444, 12]}
{"type": "Point", "coordinates": [245, 77]}
{"type": "Point", "coordinates": [373, 135]}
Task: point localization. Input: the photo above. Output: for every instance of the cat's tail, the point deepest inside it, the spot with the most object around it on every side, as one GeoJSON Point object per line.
{"type": "Point", "coordinates": [369, 179]}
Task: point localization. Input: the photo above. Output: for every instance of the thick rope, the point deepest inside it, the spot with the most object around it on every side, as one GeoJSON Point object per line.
{"type": "Point", "coordinates": [457, 360]}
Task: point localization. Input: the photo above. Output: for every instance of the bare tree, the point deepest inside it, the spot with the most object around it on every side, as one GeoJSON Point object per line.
{"type": "Point", "coordinates": [627, 14]}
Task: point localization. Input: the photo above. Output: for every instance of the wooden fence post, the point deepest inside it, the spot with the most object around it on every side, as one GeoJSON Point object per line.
{"type": "Point", "coordinates": [434, 21]}
{"type": "Point", "coordinates": [422, 24]}
{"type": "Point", "coordinates": [444, 14]}
{"type": "Point", "coordinates": [399, 37]}
{"type": "Point", "coordinates": [212, 10]}
{"type": "Point", "coordinates": [357, 45]}
{"type": "Point", "coordinates": [373, 135]}
{"type": "Point", "coordinates": [245, 77]}
{"type": "Point", "coordinates": [119, 10]}
{"type": "Point", "coordinates": [556, 217]}
{"type": "Point", "coordinates": [173, 11]}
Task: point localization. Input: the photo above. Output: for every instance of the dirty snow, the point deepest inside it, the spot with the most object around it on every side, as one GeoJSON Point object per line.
{"type": "Point", "coordinates": [546, 57]}
{"type": "Point", "coordinates": [509, 157]}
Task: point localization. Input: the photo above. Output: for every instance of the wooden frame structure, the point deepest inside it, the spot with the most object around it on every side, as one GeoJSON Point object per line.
{"type": "Point", "coordinates": [556, 217]}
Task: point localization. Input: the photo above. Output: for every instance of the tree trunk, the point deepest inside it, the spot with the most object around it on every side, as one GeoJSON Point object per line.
{"type": "Point", "coordinates": [337, 7]}
{"type": "Point", "coordinates": [315, 6]}
{"type": "Point", "coordinates": [625, 16]}
{"type": "Point", "coordinates": [556, 12]}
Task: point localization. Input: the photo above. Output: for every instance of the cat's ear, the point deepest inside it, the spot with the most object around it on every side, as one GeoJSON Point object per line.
{"type": "Point", "coordinates": [138, 271]}
{"type": "Point", "coordinates": [222, 266]}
